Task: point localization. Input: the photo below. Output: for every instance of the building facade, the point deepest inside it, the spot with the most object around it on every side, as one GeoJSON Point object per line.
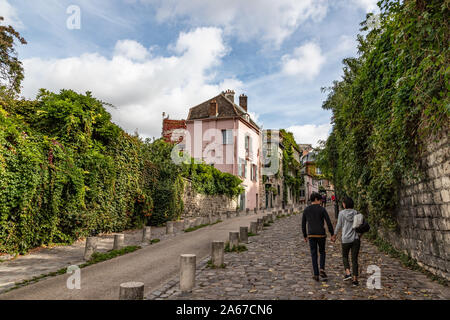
{"type": "Point", "coordinates": [221, 133]}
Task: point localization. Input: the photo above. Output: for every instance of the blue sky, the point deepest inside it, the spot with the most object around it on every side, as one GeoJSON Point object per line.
{"type": "Point", "coordinates": [150, 56]}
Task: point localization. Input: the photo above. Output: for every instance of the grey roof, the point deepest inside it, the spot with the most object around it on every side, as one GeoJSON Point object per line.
{"type": "Point", "coordinates": [226, 109]}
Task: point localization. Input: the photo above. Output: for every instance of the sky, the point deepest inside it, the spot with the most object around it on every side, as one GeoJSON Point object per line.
{"type": "Point", "coordinates": [147, 57]}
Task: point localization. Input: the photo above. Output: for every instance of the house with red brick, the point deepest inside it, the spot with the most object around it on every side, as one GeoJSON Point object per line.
{"type": "Point", "coordinates": [221, 133]}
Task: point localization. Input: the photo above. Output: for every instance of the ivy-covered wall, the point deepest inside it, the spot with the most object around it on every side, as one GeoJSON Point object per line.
{"type": "Point", "coordinates": [389, 109]}
{"type": "Point", "coordinates": [67, 171]}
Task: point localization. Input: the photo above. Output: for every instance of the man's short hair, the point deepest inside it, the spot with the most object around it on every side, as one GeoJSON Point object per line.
{"type": "Point", "coordinates": [348, 203]}
{"type": "Point", "coordinates": [315, 196]}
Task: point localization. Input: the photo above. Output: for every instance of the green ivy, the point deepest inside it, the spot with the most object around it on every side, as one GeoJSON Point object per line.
{"type": "Point", "coordinates": [391, 98]}
{"type": "Point", "coordinates": [66, 171]}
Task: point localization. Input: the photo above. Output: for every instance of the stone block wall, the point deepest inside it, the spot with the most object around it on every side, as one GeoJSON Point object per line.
{"type": "Point", "coordinates": [423, 213]}
{"type": "Point", "coordinates": [200, 205]}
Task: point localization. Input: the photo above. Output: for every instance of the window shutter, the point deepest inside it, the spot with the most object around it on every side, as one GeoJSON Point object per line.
{"type": "Point", "coordinates": [230, 136]}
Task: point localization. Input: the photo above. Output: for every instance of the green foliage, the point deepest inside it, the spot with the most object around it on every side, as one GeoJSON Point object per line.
{"type": "Point", "coordinates": [295, 181]}
{"type": "Point", "coordinates": [201, 226]}
{"type": "Point", "coordinates": [392, 97]}
{"type": "Point", "coordinates": [66, 171]}
{"type": "Point", "coordinates": [210, 265]}
{"type": "Point", "coordinates": [11, 70]}
{"type": "Point", "coordinates": [103, 256]}
{"type": "Point", "coordinates": [239, 248]}
{"type": "Point", "coordinates": [208, 180]}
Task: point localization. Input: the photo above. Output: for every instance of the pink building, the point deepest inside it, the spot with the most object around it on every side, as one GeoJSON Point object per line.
{"type": "Point", "coordinates": [221, 133]}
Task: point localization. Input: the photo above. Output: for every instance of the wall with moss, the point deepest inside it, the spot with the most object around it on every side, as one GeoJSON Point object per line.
{"type": "Point", "coordinates": [423, 213]}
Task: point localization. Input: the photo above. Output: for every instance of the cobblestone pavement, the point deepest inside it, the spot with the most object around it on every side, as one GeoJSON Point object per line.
{"type": "Point", "coordinates": [42, 261]}
{"type": "Point", "coordinates": [277, 265]}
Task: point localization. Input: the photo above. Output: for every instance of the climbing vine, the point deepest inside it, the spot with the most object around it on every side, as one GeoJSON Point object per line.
{"type": "Point", "coordinates": [391, 98]}
{"type": "Point", "coordinates": [292, 177]}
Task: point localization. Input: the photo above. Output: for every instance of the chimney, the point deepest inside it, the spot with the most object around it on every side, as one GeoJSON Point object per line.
{"type": "Point", "coordinates": [213, 108]}
{"type": "Point", "coordinates": [230, 95]}
{"type": "Point", "coordinates": [243, 101]}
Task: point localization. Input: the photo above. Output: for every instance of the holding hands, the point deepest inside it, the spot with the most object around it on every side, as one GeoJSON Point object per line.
{"type": "Point", "coordinates": [333, 238]}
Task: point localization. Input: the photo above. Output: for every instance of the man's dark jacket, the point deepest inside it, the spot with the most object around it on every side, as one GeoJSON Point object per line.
{"type": "Point", "coordinates": [315, 215]}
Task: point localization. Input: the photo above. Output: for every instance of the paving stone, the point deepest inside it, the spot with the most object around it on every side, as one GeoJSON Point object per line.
{"type": "Point", "coordinates": [278, 266]}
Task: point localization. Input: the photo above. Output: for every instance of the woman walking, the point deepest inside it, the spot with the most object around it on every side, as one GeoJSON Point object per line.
{"type": "Point", "coordinates": [351, 241]}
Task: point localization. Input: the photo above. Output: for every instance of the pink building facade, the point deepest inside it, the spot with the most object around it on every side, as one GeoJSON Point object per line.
{"type": "Point", "coordinates": [221, 133]}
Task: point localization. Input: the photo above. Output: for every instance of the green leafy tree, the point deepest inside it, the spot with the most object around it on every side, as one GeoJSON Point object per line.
{"type": "Point", "coordinates": [11, 70]}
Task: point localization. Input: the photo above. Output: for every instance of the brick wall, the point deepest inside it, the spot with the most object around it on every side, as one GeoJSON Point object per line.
{"type": "Point", "coordinates": [423, 213]}
{"type": "Point", "coordinates": [200, 205]}
{"type": "Point", "coordinates": [169, 126]}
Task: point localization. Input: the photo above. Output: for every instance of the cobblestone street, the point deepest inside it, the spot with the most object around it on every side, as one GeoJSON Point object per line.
{"type": "Point", "coordinates": [277, 265]}
{"type": "Point", "coordinates": [45, 260]}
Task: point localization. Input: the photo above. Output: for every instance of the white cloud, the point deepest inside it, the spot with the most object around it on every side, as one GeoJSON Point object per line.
{"type": "Point", "coordinates": [131, 49]}
{"type": "Point", "coordinates": [367, 5]}
{"type": "Point", "coordinates": [268, 20]}
{"type": "Point", "coordinates": [9, 13]}
{"type": "Point", "coordinates": [141, 86]}
{"type": "Point", "coordinates": [306, 61]}
{"type": "Point", "coordinates": [310, 133]}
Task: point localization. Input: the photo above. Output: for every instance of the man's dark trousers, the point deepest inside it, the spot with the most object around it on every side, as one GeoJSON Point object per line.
{"type": "Point", "coordinates": [313, 244]}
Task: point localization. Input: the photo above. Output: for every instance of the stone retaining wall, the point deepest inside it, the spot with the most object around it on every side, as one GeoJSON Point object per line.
{"type": "Point", "coordinates": [423, 213]}
{"type": "Point", "coordinates": [200, 205]}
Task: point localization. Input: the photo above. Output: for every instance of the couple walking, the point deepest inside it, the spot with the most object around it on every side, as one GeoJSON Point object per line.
{"type": "Point", "coordinates": [313, 229]}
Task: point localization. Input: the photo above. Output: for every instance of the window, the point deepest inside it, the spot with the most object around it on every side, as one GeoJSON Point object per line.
{"type": "Point", "coordinates": [227, 136]}
{"type": "Point", "coordinates": [245, 169]}
{"type": "Point", "coordinates": [240, 167]}
{"type": "Point", "coordinates": [254, 172]}
{"type": "Point", "coordinates": [248, 143]}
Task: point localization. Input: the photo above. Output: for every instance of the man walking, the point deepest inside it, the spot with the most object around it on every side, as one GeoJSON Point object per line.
{"type": "Point", "coordinates": [314, 216]}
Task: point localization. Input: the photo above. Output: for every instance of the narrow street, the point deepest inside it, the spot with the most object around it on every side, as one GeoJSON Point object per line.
{"type": "Point", "coordinates": [153, 265]}
{"type": "Point", "coordinates": [277, 265]}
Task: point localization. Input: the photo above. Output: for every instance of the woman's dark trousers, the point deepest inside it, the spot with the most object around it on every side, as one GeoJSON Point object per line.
{"type": "Point", "coordinates": [354, 248]}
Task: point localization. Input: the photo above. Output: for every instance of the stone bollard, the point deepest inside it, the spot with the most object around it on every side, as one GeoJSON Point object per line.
{"type": "Point", "coordinates": [210, 218]}
{"type": "Point", "coordinates": [187, 272]}
{"type": "Point", "coordinates": [228, 214]}
{"type": "Point", "coordinates": [270, 217]}
{"type": "Point", "coordinates": [243, 234]}
{"type": "Point", "coordinates": [247, 211]}
{"type": "Point", "coordinates": [119, 240]}
{"type": "Point", "coordinates": [146, 234]}
{"type": "Point", "coordinates": [256, 210]}
{"type": "Point", "coordinates": [169, 227]}
{"type": "Point", "coordinates": [254, 227]}
{"type": "Point", "coordinates": [186, 224]}
{"type": "Point", "coordinates": [217, 249]}
{"type": "Point", "coordinates": [91, 247]}
{"type": "Point", "coordinates": [131, 291]}
{"type": "Point", "coordinates": [234, 239]}
{"type": "Point", "coordinates": [260, 224]}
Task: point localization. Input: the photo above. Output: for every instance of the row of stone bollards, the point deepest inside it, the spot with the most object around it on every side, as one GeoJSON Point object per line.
{"type": "Point", "coordinates": [119, 240]}
{"type": "Point", "coordinates": [188, 262]}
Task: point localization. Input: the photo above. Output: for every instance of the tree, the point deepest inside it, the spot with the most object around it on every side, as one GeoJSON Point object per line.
{"type": "Point", "coordinates": [11, 69]}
